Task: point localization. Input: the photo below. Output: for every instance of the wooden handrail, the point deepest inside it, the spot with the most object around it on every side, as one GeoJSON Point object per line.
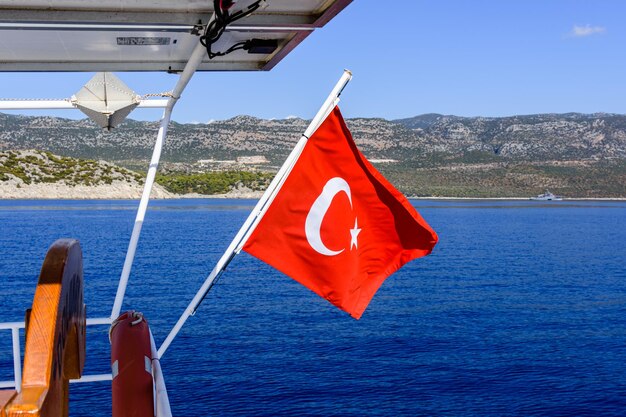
{"type": "Point", "coordinates": [55, 335]}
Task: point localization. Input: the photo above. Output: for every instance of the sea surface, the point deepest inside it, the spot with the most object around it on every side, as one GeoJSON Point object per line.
{"type": "Point", "coordinates": [519, 311]}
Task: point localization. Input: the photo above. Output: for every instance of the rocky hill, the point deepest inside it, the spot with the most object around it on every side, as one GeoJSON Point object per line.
{"type": "Point", "coordinates": [572, 154]}
{"type": "Point", "coordinates": [534, 137]}
{"type": "Point", "coordinates": [570, 136]}
{"type": "Point", "coordinates": [39, 174]}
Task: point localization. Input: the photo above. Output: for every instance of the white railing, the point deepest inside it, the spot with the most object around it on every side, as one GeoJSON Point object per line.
{"type": "Point", "coordinates": [17, 355]}
{"type": "Point", "coordinates": [66, 104]}
{"type": "Point", "coordinates": [15, 327]}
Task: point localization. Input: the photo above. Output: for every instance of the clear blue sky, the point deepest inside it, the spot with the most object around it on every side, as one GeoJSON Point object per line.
{"type": "Point", "coordinates": [468, 58]}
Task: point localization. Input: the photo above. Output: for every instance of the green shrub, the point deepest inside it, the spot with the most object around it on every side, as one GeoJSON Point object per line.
{"type": "Point", "coordinates": [218, 182]}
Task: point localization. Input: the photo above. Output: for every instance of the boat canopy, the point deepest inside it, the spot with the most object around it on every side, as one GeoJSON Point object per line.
{"type": "Point", "coordinates": [150, 35]}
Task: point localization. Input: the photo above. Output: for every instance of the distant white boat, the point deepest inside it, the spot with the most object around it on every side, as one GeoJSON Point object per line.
{"type": "Point", "coordinates": [547, 196]}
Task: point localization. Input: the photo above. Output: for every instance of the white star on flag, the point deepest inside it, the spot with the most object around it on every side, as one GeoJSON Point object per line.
{"type": "Point", "coordinates": [354, 233]}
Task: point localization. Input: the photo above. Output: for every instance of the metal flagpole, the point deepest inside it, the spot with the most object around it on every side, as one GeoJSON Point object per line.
{"type": "Point", "coordinates": [190, 68]}
{"type": "Point", "coordinates": [257, 213]}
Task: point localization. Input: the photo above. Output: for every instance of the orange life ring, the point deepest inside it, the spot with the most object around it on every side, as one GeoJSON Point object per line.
{"type": "Point", "coordinates": [131, 366]}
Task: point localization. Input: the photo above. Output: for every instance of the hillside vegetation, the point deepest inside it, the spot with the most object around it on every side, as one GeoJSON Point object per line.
{"type": "Point", "coordinates": [23, 168]}
{"type": "Point", "coordinates": [219, 182]}
{"type": "Point", "coordinates": [34, 167]}
{"type": "Point", "coordinates": [498, 180]}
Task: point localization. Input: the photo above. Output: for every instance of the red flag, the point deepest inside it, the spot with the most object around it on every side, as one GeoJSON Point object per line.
{"type": "Point", "coordinates": [337, 226]}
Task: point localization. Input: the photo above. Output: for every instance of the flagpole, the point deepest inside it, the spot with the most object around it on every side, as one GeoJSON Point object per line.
{"type": "Point", "coordinates": [278, 181]}
{"type": "Point", "coordinates": [259, 210]}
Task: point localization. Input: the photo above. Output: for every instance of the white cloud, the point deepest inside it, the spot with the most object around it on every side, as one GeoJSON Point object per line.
{"type": "Point", "coordinates": [210, 121]}
{"type": "Point", "coordinates": [291, 116]}
{"type": "Point", "coordinates": [587, 30]}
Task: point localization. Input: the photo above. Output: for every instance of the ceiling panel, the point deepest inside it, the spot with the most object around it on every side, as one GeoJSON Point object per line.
{"type": "Point", "coordinates": [146, 35]}
{"type": "Point", "coordinates": [283, 6]}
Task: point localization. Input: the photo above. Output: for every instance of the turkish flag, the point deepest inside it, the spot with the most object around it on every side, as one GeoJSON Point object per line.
{"type": "Point", "coordinates": [337, 226]}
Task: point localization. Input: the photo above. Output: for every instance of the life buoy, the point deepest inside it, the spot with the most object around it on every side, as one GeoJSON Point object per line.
{"type": "Point", "coordinates": [131, 366]}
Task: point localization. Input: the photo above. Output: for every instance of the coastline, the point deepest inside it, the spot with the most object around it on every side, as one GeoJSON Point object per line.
{"type": "Point", "coordinates": [133, 192]}
{"type": "Point", "coordinates": [118, 190]}
{"type": "Point", "coordinates": [16, 189]}
{"type": "Point", "coordinates": [520, 199]}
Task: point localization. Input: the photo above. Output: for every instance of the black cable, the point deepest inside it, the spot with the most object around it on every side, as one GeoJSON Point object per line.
{"type": "Point", "coordinates": [238, 45]}
{"type": "Point", "coordinates": [217, 26]}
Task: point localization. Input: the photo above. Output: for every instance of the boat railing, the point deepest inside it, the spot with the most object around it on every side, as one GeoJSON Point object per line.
{"type": "Point", "coordinates": [15, 327]}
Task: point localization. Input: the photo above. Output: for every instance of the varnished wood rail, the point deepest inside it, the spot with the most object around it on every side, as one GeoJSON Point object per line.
{"type": "Point", "coordinates": [55, 337]}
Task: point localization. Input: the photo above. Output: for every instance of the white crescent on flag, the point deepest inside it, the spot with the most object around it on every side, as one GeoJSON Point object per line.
{"type": "Point", "coordinates": [318, 210]}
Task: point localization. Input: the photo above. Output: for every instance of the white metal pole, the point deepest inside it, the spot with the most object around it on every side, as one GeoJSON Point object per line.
{"type": "Point", "coordinates": [67, 104]}
{"type": "Point", "coordinates": [190, 68]}
{"type": "Point", "coordinates": [267, 198]}
{"type": "Point", "coordinates": [258, 210]}
{"type": "Point", "coordinates": [92, 378]}
{"type": "Point", "coordinates": [161, 399]}
{"type": "Point", "coordinates": [153, 104]}
{"type": "Point", "coordinates": [35, 104]}
{"type": "Point", "coordinates": [17, 359]}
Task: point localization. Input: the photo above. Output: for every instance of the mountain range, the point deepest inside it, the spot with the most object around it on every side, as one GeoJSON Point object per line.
{"type": "Point", "coordinates": [578, 155]}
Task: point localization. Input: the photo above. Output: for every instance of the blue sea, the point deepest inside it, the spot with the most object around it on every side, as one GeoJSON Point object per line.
{"type": "Point", "coordinates": [519, 311]}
